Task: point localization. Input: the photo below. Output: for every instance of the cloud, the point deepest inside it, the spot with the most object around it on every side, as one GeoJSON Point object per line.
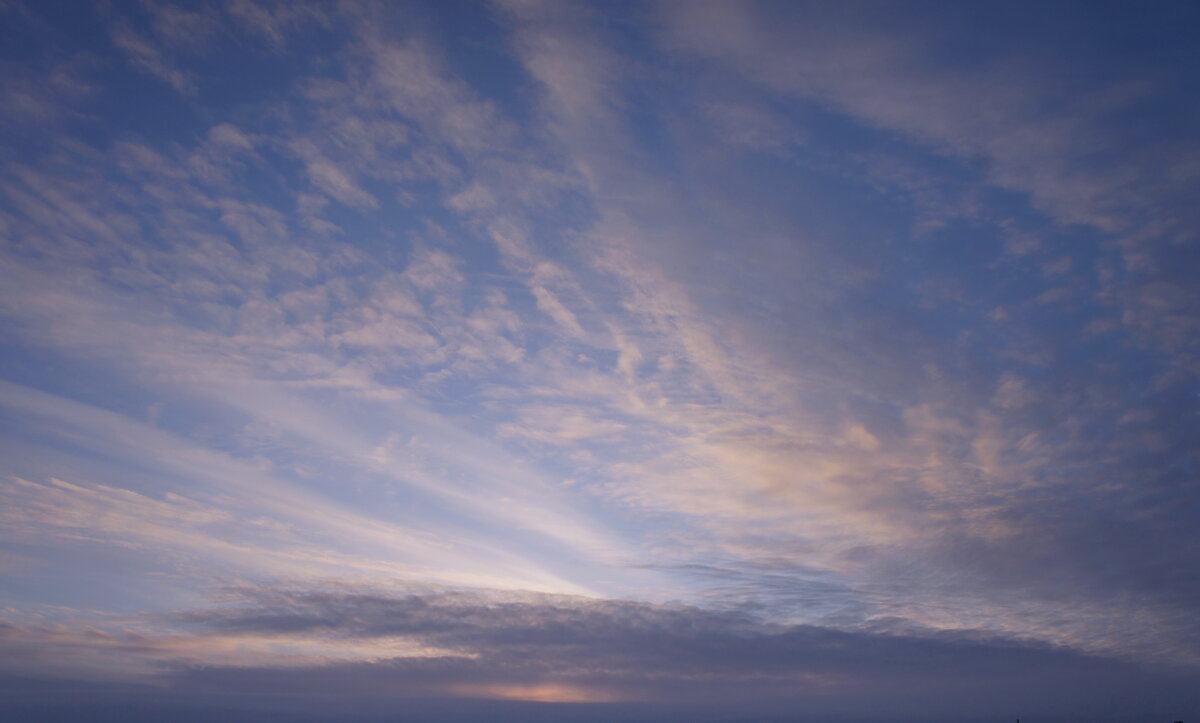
{"type": "Point", "coordinates": [759, 306]}
{"type": "Point", "coordinates": [1036, 132]}
{"type": "Point", "coordinates": [145, 56]}
{"type": "Point", "coordinates": [743, 443]}
{"type": "Point", "coordinates": [41, 96]}
{"type": "Point", "coordinates": [556, 648]}
{"type": "Point", "coordinates": [275, 21]}
{"type": "Point", "coordinates": [255, 521]}
{"type": "Point", "coordinates": [334, 180]}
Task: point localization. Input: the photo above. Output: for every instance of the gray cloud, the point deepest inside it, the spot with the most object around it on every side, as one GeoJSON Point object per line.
{"type": "Point", "coordinates": [640, 651]}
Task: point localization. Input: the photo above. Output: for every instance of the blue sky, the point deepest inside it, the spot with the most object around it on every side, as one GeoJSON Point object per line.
{"type": "Point", "coordinates": [618, 361]}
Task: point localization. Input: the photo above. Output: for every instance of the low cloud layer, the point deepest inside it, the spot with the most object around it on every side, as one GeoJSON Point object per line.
{"type": "Point", "coordinates": [565, 650]}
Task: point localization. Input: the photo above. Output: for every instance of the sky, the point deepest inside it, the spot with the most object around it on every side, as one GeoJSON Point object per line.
{"type": "Point", "coordinates": [565, 361]}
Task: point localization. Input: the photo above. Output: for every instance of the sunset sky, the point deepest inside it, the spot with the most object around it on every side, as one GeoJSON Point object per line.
{"type": "Point", "coordinates": [540, 361]}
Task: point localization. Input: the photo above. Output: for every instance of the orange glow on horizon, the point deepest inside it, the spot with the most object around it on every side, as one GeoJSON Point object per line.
{"type": "Point", "coordinates": [539, 692]}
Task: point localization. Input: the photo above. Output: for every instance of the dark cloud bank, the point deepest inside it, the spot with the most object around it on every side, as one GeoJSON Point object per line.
{"type": "Point", "coordinates": [654, 662]}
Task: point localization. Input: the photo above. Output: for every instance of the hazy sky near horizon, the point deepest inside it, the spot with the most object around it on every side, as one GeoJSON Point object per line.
{"type": "Point", "coordinates": [654, 361]}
